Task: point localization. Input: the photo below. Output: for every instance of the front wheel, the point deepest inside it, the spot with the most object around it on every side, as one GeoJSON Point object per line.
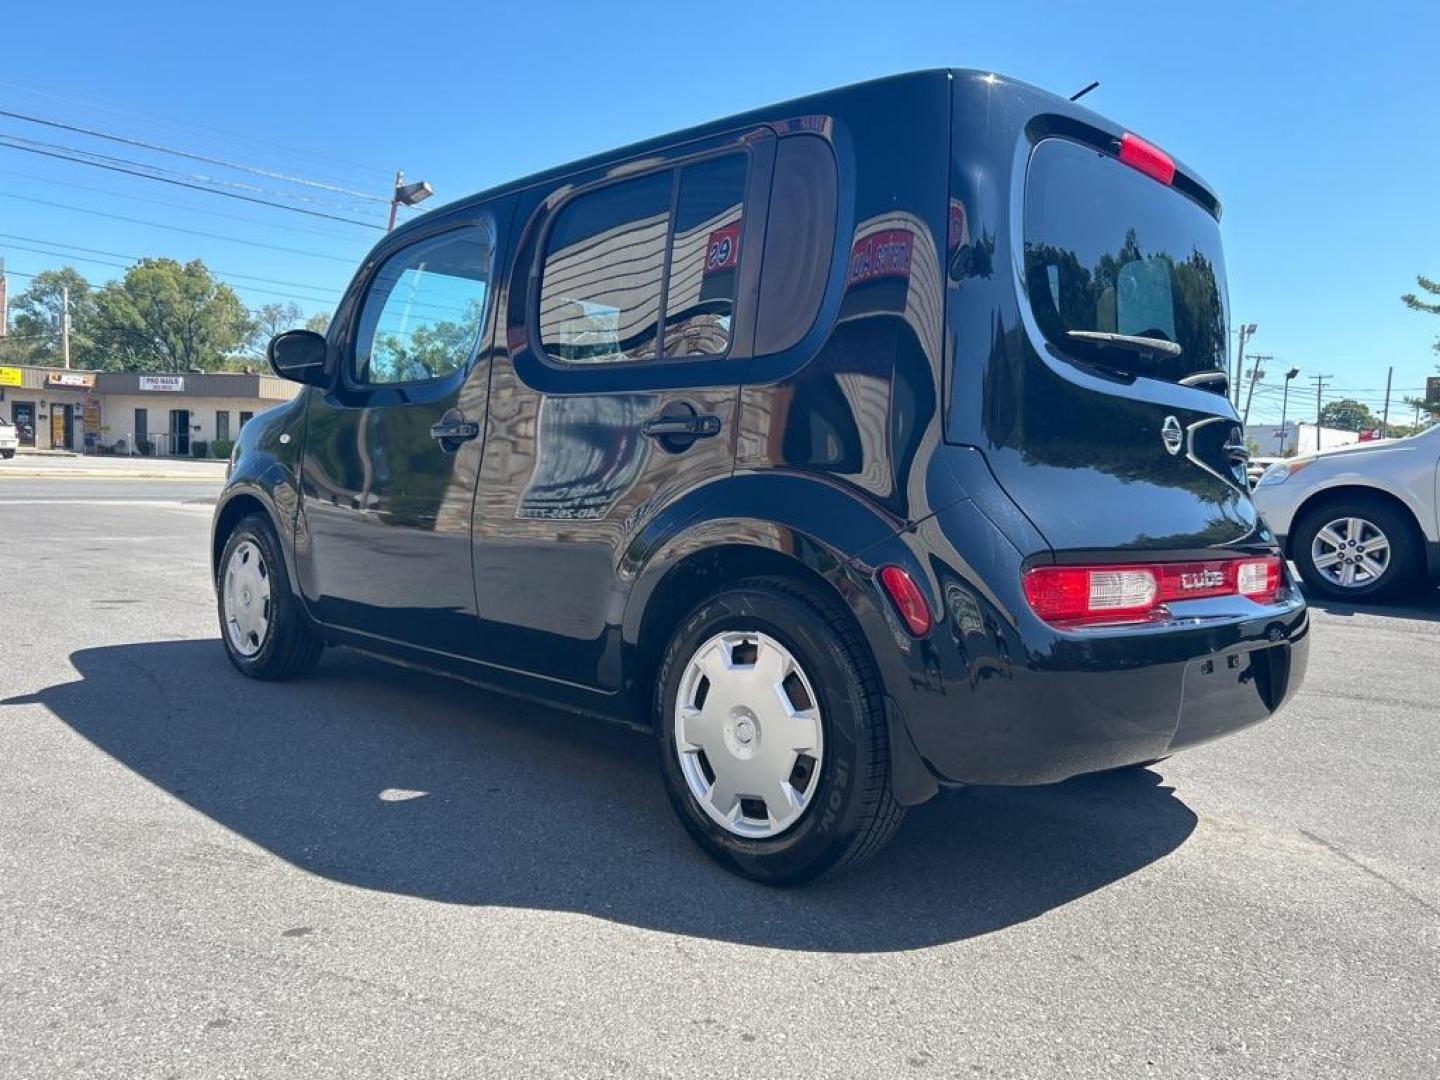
{"type": "Point", "coordinates": [1356, 549]}
{"type": "Point", "coordinates": [772, 731]}
{"type": "Point", "coordinates": [266, 634]}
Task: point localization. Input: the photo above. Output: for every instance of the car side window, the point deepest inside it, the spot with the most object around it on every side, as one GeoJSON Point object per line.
{"type": "Point", "coordinates": [424, 310]}
{"type": "Point", "coordinates": [704, 257]}
{"type": "Point", "coordinates": [625, 259]}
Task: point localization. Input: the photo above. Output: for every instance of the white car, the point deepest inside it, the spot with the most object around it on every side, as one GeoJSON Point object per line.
{"type": "Point", "coordinates": [9, 439]}
{"type": "Point", "coordinates": [1360, 522]}
{"type": "Point", "coordinates": [1255, 468]}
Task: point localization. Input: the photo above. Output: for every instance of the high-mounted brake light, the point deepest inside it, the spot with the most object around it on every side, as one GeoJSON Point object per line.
{"type": "Point", "coordinates": [1147, 157]}
{"type": "Point", "coordinates": [909, 601]}
{"type": "Point", "coordinates": [1068, 596]}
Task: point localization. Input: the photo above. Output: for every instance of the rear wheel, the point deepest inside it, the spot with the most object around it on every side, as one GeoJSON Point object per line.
{"type": "Point", "coordinates": [266, 634]}
{"type": "Point", "coordinates": [1356, 549]}
{"type": "Point", "coordinates": [772, 733]}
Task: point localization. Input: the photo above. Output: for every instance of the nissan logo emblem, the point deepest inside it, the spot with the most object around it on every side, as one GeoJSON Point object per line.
{"type": "Point", "coordinates": [1172, 435]}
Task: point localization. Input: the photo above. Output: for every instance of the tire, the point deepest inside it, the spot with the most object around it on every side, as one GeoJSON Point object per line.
{"type": "Point", "coordinates": [266, 633]}
{"type": "Point", "coordinates": [7, 454]}
{"type": "Point", "coordinates": [846, 809]}
{"type": "Point", "coordinates": [1378, 521]}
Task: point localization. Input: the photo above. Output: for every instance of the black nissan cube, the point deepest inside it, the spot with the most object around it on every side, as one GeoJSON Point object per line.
{"type": "Point", "coordinates": [858, 446]}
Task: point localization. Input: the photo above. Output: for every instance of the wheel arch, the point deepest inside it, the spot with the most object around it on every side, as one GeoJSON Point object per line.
{"type": "Point", "coordinates": [770, 523]}
{"type": "Point", "coordinates": [1339, 493]}
{"type": "Point", "coordinates": [702, 562]}
{"type": "Point", "coordinates": [236, 504]}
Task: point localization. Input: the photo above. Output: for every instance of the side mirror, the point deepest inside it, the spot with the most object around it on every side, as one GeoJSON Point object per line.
{"type": "Point", "coordinates": [298, 355]}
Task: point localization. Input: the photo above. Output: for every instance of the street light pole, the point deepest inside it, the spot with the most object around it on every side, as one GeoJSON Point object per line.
{"type": "Point", "coordinates": [1285, 409]}
{"type": "Point", "coordinates": [406, 195]}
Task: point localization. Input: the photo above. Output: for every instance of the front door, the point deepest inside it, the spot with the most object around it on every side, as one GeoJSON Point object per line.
{"type": "Point", "coordinates": [616, 402]}
{"type": "Point", "coordinates": [22, 413]}
{"type": "Point", "coordinates": [180, 432]}
{"type": "Point", "coordinates": [62, 426]}
{"type": "Point", "coordinates": [392, 449]}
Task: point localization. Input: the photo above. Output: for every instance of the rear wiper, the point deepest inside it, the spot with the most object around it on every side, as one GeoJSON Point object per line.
{"type": "Point", "coordinates": [1206, 378]}
{"type": "Point", "coordinates": [1129, 341]}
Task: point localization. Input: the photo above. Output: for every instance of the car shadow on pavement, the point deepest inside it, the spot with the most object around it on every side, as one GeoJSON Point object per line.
{"type": "Point", "coordinates": [389, 779]}
{"type": "Point", "coordinates": [1423, 607]}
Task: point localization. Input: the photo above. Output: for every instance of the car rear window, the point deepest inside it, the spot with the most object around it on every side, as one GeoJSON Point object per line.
{"type": "Point", "coordinates": [1110, 250]}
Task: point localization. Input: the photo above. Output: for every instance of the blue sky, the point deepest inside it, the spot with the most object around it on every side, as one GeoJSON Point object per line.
{"type": "Point", "coordinates": [1317, 123]}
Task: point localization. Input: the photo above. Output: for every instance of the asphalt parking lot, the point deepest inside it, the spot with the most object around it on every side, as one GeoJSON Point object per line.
{"type": "Point", "coordinates": [373, 873]}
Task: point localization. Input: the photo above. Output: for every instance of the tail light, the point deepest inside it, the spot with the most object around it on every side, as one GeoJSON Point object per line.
{"type": "Point", "coordinates": [909, 601]}
{"type": "Point", "coordinates": [1068, 596]}
{"type": "Point", "coordinates": [1147, 157]}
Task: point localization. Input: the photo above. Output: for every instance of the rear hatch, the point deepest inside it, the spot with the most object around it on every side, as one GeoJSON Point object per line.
{"type": "Point", "coordinates": [1103, 412]}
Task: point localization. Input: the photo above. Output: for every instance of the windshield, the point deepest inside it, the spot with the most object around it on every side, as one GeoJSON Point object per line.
{"type": "Point", "coordinates": [1108, 250]}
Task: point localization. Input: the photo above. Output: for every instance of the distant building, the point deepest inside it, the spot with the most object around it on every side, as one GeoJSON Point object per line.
{"type": "Point", "coordinates": [130, 412]}
{"type": "Point", "coordinates": [1298, 438]}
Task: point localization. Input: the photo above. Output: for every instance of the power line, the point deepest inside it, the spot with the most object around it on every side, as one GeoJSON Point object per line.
{"type": "Point", "coordinates": [254, 170]}
{"type": "Point", "coordinates": [10, 143]}
{"type": "Point", "coordinates": [237, 286]}
{"type": "Point", "coordinates": [178, 228]}
{"type": "Point", "coordinates": [95, 156]}
{"type": "Point", "coordinates": [137, 258]}
{"type": "Point", "coordinates": [169, 204]}
{"type": "Point", "coordinates": [292, 151]}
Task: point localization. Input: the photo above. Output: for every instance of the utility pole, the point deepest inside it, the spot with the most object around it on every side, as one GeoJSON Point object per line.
{"type": "Point", "coordinates": [1385, 416]}
{"type": "Point", "coordinates": [1320, 381]}
{"type": "Point", "coordinates": [1245, 330]}
{"type": "Point", "coordinates": [65, 324]}
{"type": "Point", "coordinates": [1255, 376]}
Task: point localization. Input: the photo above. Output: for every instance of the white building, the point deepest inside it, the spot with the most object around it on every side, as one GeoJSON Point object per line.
{"type": "Point", "coordinates": [131, 412]}
{"type": "Point", "coordinates": [1298, 438]}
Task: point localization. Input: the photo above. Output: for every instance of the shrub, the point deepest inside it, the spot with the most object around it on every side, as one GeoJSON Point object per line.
{"type": "Point", "coordinates": [221, 448]}
{"type": "Point", "coordinates": [198, 448]}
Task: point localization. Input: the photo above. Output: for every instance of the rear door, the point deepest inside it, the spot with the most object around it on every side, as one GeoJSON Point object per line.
{"type": "Point", "coordinates": [1105, 414]}
{"type": "Point", "coordinates": [392, 449]}
{"type": "Point", "coordinates": [627, 342]}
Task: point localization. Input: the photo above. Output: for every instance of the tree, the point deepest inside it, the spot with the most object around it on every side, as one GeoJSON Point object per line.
{"type": "Point", "coordinates": [319, 322]}
{"type": "Point", "coordinates": [1416, 303]}
{"type": "Point", "coordinates": [270, 319]}
{"type": "Point", "coordinates": [36, 319]}
{"type": "Point", "coordinates": [1347, 414]}
{"type": "Point", "coordinates": [163, 316]}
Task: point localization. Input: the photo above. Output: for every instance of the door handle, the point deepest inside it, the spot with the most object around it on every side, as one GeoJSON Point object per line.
{"type": "Point", "coordinates": [460, 430]}
{"type": "Point", "coordinates": [682, 427]}
{"type": "Point", "coordinates": [451, 430]}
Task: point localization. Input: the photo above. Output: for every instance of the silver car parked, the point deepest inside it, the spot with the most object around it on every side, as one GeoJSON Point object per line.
{"type": "Point", "coordinates": [1361, 523]}
{"type": "Point", "coordinates": [9, 439]}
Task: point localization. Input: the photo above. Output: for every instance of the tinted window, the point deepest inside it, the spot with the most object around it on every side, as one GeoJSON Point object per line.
{"type": "Point", "coordinates": [600, 291]}
{"type": "Point", "coordinates": [704, 257]}
{"type": "Point", "coordinates": [1108, 249]}
{"type": "Point", "coordinates": [425, 308]}
{"type": "Point", "coordinates": [799, 242]}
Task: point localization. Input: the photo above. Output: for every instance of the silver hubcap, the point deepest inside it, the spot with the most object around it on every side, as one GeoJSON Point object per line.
{"type": "Point", "coordinates": [246, 590]}
{"type": "Point", "coordinates": [1351, 552]}
{"type": "Point", "coordinates": [748, 733]}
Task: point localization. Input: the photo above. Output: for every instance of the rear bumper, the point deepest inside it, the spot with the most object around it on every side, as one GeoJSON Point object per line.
{"type": "Point", "coordinates": [1113, 700]}
{"type": "Point", "coordinates": [994, 696]}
